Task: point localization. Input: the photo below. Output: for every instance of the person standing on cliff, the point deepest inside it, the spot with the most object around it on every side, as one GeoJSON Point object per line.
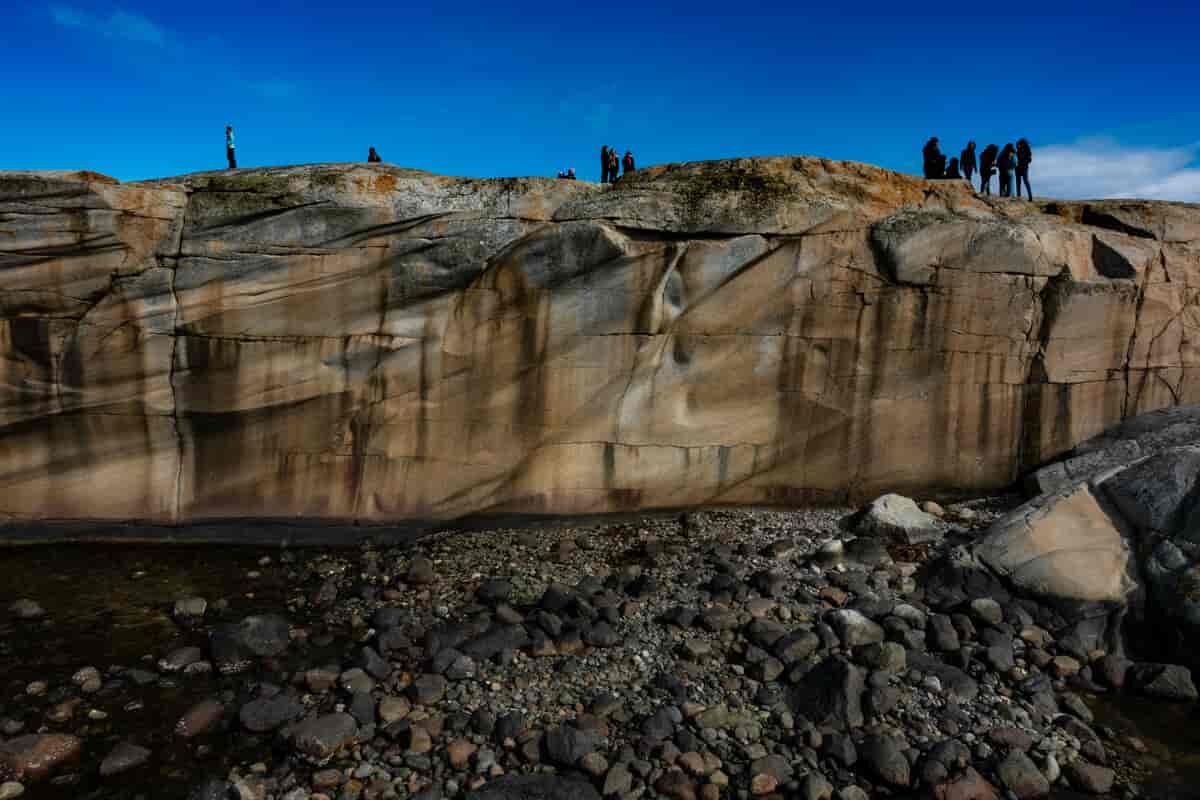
{"type": "Point", "coordinates": [628, 161]}
{"type": "Point", "coordinates": [952, 170]}
{"type": "Point", "coordinates": [934, 161]}
{"type": "Point", "coordinates": [1008, 162]}
{"type": "Point", "coordinates": [604, 164]}
{"type": "Point", "coordinates": [966, 160]}
{"type": "Point", "coordinates": [1024, 157]}
{"type": "Point", "coordinates": [987, 166]}
{"type": "Point", "coordinates": [229, 154]}
{"type": "Point", "coordinates": [373, 157]}
{"type": "Point", "coordinates": [614, 165]}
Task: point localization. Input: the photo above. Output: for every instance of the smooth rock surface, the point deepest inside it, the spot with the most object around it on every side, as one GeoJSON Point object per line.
{"type": "Point", "coordinates": [354, 343]}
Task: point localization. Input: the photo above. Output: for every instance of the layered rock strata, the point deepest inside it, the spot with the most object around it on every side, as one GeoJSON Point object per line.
{"type": "Point", "coordinates": [373, 344]}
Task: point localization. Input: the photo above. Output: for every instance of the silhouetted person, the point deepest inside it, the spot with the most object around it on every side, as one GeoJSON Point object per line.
{"type": "Point", "coordinates": [935, 162]}
{"type": "Point", "coordinates": [604, 164]}
{"type": "Point", "coordinates": [966, 160]}
{"type": "Point", "coordinates": [1007, 163]}
{"type": "Point", "coordinates": [987, 167]}
{"type": "Point", "coordinates": [628, 163]}
{"type": "Point", "coordinates": [614, 165]}
{"type": "Point", "coordinates": [1024, 156]}
{"type": "Point", "coordinates": [571, 174]}
{"type": "Point", "coordinates": [229, 154]}
{"type": "Point", "coordinates": [952, 170]}
{"type": "Point", "coordinates": [373, 157]}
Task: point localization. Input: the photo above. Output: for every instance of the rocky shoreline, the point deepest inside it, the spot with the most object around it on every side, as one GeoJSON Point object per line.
{"type": "Point", "coordinates": [723, 653]}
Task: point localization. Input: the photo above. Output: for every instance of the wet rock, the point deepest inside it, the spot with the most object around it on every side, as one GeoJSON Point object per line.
{"type": "Point", "coordinates": [199, 718]}
{"type": "Point", "coordinates": [534, 787]}
{"type": "Point", "coordinates": [26, 609]}
{"type": "Point", "coordinates": [954, 681]}
{"type": "Point", "coordinates": [32, 757]}
{"type": "Point", "coordinates": [427, 689]}
{"type": "Point", "coordinates": [1090, 777]}
{"type": "Point", "coordinates": [831, 694]}
{"type": "Point", "coordinates": [124, 757]}
{"type": "Point", "coordinates": [884, 758]}
{"type": "Point", "coordinates": [814, 786]}
{"type": "Point", "coordinates": [618, 782]}
{"type": "Point", "coordinates": [494, 591]}
{"type": "Point", "coordinates": [233, 647]}
{"type": "Point", "coordinates": [269, 713]}
{"type": "Point", "coordinates": [1021, 776]}
{"type": "Point", "coordinates": [566, 745]}
{"type": "Point", "coordinates": [180, 659]}
{"type": "Point", "coordinates": [420, 572]}
{"type": "Point", "coordinates": [374, 664]}
{"type": "Point", "coordinates": [190, 609]}
{"type": "Point", "coordinates": [968, 786]}
{"type": "Point", "coordinates": [211, 788]}
{"type": "Point", "coordinates": [853, 628]}
{"type": "Point", "coordinates": [10, 790]}
{"type": "Point", "coordinates": [1113, 670]}
{"type": "Point", "coordinates": [319, 738]}
{"type": "Point", "coordinates": [393, 709]}
{"type": "Point", "coordinates": [1168, 681]}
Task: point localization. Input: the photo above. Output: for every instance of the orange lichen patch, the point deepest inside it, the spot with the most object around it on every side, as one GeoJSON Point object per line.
{"type": "Point", "coordinates": [95, 177]}
{"type": "Point", "coordinates": [384, 183]}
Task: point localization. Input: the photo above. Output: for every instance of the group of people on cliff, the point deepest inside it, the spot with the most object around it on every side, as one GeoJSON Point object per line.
{"type": "Point", "coordinates": [1012, 163]}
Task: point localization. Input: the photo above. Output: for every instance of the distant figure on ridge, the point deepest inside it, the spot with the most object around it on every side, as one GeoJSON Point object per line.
{"type": "Point", "coordinates": [1024, 156]}
{"type": "Point", "coordinates": [952, 170]}
{"type": "Point", "coordinates": [987, 166]}
{"type": "Point", "coordinates": [604, 164]}
{"type": "Point", "coordinates": [373, 157]}
{"type": "Point", "coordinates": [229, 154]}
{"type": "Point", "coordinates": [628, 164]}
{"type": "Point", "coordinates": [1007, 163]}
{"type": "Point", "coordinates": [571, 174]}
{"type": "Point", "coordinates": [966, 160]}
{"type": "Point", "coordinates": [614, 165]}
{"type": "Point", "coordinates": [935, 162]}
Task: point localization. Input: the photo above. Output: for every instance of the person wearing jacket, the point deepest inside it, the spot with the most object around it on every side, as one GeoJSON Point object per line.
{"type": "Point", "coordinates": [934, 161]}
{"type": "Point", "coordinates": [1007, 163]}
{"type": "Point", "coordinates": [987, 166]}
{"type": "Point", "coordinates": [604, 164]}
{"type": "Point", "coordinates": [229, 153]}
{"type": "Point", "coordinates": [1024, 157]}
{"type": "Point", "coordinates": [952, 171]}
{"type": "Point", "coordinates": [373, 157]}
{"type": "Point", "coordinates": [628, 164]}
{"type": "Point", "coordinates": [966, 161]}
{"type": "Point", "coordinates": [614, 165]}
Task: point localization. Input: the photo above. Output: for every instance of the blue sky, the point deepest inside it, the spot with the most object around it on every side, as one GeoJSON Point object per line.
{"type": "Point", "coordinates": [1108, 95]}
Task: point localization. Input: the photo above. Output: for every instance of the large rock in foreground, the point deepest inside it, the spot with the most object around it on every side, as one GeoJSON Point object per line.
{"type": "Point", "coordinates": [353, 343]}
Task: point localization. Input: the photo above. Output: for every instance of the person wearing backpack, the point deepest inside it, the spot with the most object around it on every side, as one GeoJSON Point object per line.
{"type": "Point", "coordinates": [628, 161]}
{"type": "Point", "coordinates": [604, 164]}
{"type": "Point", "coordinates": [229, 153]}
{"type": "Point", "coordinates": [934, 161]}
{"type": "Point", "coordinates": [966, 160]}
{"type": "Point", "coordinates": [1024, 157]}
{"type": "Point", "coordinates": [987, 167]}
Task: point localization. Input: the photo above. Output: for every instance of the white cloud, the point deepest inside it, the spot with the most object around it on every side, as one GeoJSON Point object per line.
{"type": "Point", "coordinates": [120, 24]}
{"type": "Point", "coordinates": [1098, 168]}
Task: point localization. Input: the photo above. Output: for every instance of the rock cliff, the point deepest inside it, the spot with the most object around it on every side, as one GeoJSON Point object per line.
{"type": "Point", "coordinates": [374, 344]}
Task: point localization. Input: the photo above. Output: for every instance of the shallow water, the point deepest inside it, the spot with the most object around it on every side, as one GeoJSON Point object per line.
{"type": "Point", "coordinates": [1171, 735]}
{"type": "Point", "coordinates": [111, 605]}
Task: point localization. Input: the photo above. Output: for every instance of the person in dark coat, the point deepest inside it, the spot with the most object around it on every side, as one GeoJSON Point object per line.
{"type": "Point", "coordinates": [952, 170]}
{"type": "Point", "coordinates": [987, 167]}
{"type": "Point", "coordinates": [604, 164]}
{"type": "Point", "coordinates": [571, 173]}
{"type": "Point", "coordinates": [966, 160]}
{"type": "Point", "coordinates": [229, 153]}
{"type": "Point", "coordinates": [1006, 164]}
{"type": "Point", "coordinates": [628, 163]}
{"type": "Point", "coordinates": [373, 157]}
{"type": "Point", "coordinates": [614, 165]}
{"type": "Point", "coordinates": [935, 162]}
{"type": "Point", "coordinates": [1024, 157]}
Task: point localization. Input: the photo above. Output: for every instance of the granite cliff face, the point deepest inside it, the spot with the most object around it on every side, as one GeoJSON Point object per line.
{"type": "Point", "coordinates": [374, 344]}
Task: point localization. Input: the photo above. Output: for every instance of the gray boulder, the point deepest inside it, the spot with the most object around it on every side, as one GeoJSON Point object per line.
{"type": "Point", "coordinates": [534, 787]}
{"type": "Point", "coordinates": [830, 694]}
{"type": "Point", "coordinates": [895, 516]}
